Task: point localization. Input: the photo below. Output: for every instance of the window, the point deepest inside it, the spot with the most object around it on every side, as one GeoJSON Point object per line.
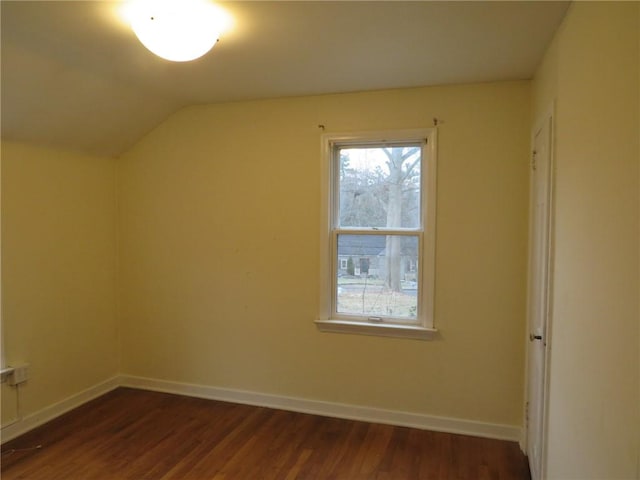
{"type": "Point", "coordinates": [378, 244]}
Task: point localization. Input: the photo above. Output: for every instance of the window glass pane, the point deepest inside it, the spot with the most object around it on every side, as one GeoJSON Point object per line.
{"type": "Point", "coordinates": [380, 186]}
{"type": "Point", "coordinates": [377, 275]}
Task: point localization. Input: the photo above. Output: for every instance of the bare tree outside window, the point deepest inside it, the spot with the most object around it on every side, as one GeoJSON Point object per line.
{"type": "Point", "coordinates": [379, 191]}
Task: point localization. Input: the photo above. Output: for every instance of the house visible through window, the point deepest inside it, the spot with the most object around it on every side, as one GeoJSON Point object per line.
{"type": "Point", "coordinates": [381, 233]}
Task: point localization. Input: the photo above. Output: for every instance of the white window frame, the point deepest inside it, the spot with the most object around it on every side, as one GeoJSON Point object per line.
{"type": "Point", "coordinates": [328, 320]}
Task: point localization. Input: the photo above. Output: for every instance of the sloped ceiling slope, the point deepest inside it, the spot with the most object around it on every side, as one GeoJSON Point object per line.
{"type": "Point", "coordinates": [74, 75]}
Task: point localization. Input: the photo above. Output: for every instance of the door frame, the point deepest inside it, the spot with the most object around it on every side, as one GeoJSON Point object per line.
{"type": "Point", "coordinates": [549, 257]}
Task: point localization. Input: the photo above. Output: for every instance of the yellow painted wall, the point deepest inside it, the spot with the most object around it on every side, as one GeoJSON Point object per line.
{"type": "Point", "coordinates": [58, 271]}
{"type": "Point", "coordinates": [9, 404]}
{"type": "Point", "coordinates": [219, 264]}
{"type": "Point", "coordinates": [592, 72]}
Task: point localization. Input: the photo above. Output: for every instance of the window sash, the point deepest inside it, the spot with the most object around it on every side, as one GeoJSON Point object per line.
{"type": "Point", "coordinates": [335, 179]}
{"type": "Point", "coordinates": [337, 229]}
{"type": "Point", "coordinates": [379, 317]}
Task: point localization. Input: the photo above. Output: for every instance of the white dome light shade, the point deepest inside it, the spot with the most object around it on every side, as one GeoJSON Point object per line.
{"type": "Point", "coordinates": [177, 30]}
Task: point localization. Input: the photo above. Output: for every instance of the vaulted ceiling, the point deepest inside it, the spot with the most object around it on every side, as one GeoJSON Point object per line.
{"type": "Point", "coordinates": [74, 76]}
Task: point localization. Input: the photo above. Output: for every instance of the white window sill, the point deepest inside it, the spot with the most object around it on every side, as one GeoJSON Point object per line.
{"type": "Point", "coordinates": [377, 329]}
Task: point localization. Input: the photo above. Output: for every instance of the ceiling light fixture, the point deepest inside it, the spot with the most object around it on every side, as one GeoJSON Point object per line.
{"type": "Point", "coordinates": [177, 30]}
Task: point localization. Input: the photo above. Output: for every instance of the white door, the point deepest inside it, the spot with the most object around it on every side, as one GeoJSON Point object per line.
{"type": "Point", "coordinates": [538, 304]}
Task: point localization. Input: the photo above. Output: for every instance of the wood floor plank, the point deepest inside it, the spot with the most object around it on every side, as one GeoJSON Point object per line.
{"type": "Point", "coordinates": [134, 434]}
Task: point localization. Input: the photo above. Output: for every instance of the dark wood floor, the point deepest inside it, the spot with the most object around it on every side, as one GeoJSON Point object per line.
{"type": "Point", "coordinates": [133, 434]}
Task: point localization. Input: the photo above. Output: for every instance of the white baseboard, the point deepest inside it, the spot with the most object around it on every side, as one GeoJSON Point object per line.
{"type": "Point", "coordinates": [302, 405]}
{"type": "Point", "coordinates": [523, 440]}
{"type": "Point", "coordinates": [23, 425]}
{"type": "Point", "coordinates": [329, 409]}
